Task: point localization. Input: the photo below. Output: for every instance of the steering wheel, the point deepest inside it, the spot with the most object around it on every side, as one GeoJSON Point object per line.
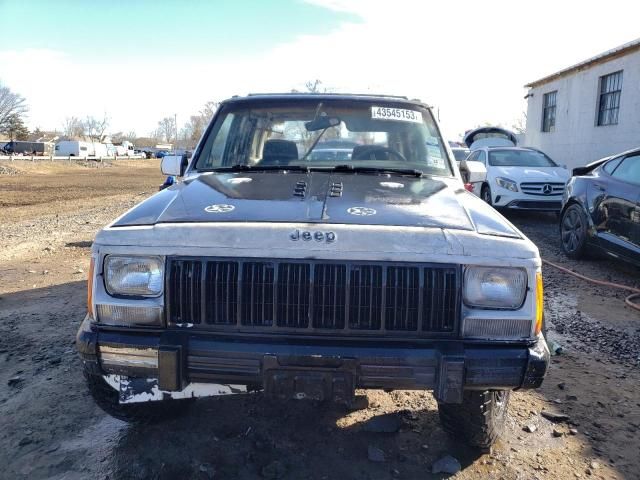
{"type": "Point", "coordinates": [375, 149]}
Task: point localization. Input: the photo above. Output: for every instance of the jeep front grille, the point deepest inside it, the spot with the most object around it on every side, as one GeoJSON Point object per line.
{"type": "Point", "coordinates": [313, 297]}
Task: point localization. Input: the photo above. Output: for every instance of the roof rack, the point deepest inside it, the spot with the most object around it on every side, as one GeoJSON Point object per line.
{"type": "Point", "coordinates": [402, 97]}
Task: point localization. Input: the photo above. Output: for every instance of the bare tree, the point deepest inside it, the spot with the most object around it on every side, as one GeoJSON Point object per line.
{"type": "Point", "coordinates": [12, 106]}
{"type": "Point", "coordinates": [166, 129]}
{"type": "Point", "coordinates": [209, 110]}
{"type": "Point", "coordinates": [95, 129]}
{"type": "Point", "coordinates": [314, 86]}
{"type": "Point", "coordinates": [120, 137]}
{"type": "Point", "coordinates": [193, 129]}
{"type": "Point", "coordinates": [72, 127]}
{"type": "Point", "coordinates": [520, 125]}
{"type": "Point", "coordinates": [117, 137]}
{"type": "Point", "coordinates": [145, 141]}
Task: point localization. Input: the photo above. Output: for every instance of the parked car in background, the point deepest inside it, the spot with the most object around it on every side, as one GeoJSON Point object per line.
{"type": "Point", "coordinates": [601, 208]}
{"type": "Point", "coordinates": [460, 153]}
{"type": "Point", "coordinates": [330, 154]}
{"type": "Point", "coordinates": [161, 153]}
{"type": "Point", "coordinates": [517, 177]}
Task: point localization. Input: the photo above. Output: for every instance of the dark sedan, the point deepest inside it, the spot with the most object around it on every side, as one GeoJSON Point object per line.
{"type": "Point", "coordinates": [601, 208]}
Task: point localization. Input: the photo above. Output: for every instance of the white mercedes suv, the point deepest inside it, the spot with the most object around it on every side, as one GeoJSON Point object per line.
{"type": "Point", "coordinates": [517, 177]}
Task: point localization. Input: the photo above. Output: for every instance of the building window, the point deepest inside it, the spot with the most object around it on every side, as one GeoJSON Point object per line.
{"type": "Point", "coordinates": [609, 104]}
{"type": "Point", "coordinates": [549, 112]}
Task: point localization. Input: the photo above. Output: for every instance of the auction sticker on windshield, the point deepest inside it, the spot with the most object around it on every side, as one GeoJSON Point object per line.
{"type": "Point", "coordinates": [398, 114]}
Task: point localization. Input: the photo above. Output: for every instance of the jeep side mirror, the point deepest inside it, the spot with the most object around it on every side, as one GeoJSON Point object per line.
{"type": "Point", "coordinates": [172, 165]}
{"type": "Point", "coordinates": [476, 172]}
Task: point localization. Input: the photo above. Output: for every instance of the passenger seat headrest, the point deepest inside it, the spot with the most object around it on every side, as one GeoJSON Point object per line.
{"type": "Point", "coordinates": [369, 152]}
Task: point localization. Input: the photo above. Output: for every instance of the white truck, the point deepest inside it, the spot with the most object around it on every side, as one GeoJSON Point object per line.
{"type": "Point", "coordinates": [124, 149]}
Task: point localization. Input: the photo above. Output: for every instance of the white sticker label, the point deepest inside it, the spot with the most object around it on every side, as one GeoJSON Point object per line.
{"type": "Point", "coordinates": [397, 114]}
{"type": "Point", "coordinates": [435, 162]}
{"type": "Point", "coordinates": [434, 157]}
{"type": "Point", "coordinates": [433, 152]}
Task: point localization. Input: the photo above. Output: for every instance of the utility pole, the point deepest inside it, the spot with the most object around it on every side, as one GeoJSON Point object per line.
{"type": "Point", "coordinates": [175, 122]}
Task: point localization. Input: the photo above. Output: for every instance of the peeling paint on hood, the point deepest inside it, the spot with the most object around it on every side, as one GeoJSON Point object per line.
{"type": "Point", "coordinates": [276, 197]}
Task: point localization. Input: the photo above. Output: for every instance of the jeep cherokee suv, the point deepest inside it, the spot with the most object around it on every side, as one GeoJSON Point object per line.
{"type": "Point", "coordinates": [267, 268]}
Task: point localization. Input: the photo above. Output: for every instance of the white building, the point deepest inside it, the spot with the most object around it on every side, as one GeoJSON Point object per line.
{"type": "Point", "coordinates": [589, 110]}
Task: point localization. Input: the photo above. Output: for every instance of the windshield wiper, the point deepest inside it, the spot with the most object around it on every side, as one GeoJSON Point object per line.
{"type": "Point", "coordinates": [394, 171]}
{"type": "Point", "coordinates": [260, 168]}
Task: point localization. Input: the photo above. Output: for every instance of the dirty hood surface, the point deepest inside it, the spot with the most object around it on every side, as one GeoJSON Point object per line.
{"type": "Point", "coordinates": [319, 197]}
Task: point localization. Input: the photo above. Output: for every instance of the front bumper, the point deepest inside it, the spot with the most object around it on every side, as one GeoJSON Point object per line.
{"type": "Point", "coordinates": [503, 198]}
{"type": "Point", "coordinates": [180, 360]}
{"type": "Point", "coordinates": [534, 205]}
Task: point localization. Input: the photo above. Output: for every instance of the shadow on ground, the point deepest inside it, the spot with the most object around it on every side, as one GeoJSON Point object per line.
{"type": "Point", "coordinates": [251, 437]}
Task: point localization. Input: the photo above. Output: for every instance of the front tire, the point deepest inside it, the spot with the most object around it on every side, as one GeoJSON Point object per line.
{"type": "Point", "coordinates": [573, 231]}
{"type": "Point", "coordinates": [479, 419]}
{"type": "Point", "coordinates": [485, 194]}
{"type": "Point", "coordinates": [107, 398]}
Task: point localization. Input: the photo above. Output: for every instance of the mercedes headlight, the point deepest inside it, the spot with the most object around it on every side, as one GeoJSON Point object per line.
{"type": "Point", "coordinates": [495, 287]}
{"type": "Point", "coordinates": [507, 183]}
{"type": "Point", "coordinates": [134, 276]}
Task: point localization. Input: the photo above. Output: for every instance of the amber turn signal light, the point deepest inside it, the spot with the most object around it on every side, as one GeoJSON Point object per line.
{"type": "Point", "coordinates": [90, 289]}
{"type": "Point", "coordinates": [539, 302]}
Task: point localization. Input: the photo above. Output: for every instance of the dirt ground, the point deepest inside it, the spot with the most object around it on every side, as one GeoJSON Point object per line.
{"type": "Point", "coordinates": [50, 427]}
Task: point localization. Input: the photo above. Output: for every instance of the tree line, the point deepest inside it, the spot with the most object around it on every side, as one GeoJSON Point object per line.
{"type": "Point", "coordinates": [13, 111]}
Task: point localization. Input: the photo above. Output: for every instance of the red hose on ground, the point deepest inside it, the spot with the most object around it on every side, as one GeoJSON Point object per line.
{"type": "Point", "coordinates": [628, 300]}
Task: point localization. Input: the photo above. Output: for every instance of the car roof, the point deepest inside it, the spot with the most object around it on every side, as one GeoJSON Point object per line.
{"type": "Point", "coordinates": [296, 96]}
{"type": "Point", "coordinates": [497, 147]}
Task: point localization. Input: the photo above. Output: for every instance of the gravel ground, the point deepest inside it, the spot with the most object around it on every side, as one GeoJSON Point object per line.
{"type": "Point", "coordinates": [50, 428]}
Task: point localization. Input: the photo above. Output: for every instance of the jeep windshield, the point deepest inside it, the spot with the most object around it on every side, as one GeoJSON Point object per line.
{"type": "Point", "coordinates": [357, 136]}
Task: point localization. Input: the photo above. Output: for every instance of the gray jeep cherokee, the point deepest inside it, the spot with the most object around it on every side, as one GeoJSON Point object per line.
{"type": "Point", "coordinates": [267, 268]}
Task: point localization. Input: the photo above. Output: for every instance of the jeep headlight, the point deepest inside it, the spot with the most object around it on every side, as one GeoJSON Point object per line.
{"type": "Point", "coordinates": [495, 287]}
{"type": "Point", "coordinates": [507, 183]}
{"type": "Point", "coordinates": [134, 276]}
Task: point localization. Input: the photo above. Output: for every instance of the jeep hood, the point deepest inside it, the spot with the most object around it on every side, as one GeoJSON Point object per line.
{"type": "Point", "coordinates": [320, 197]}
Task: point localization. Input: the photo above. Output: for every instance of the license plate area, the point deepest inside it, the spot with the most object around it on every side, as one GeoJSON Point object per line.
{"type": "Point", "coordinates": [331, 380]}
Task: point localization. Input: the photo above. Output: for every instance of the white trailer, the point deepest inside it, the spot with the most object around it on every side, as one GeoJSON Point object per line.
{"type": "Point", "coordinates": [78, 148]}
{"type": "Point", "coordinates": [100, 149]}
{"type": "Point", "coordinates": [74, 148]}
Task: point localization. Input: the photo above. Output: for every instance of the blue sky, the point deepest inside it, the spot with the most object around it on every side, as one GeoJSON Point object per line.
{"type": "Point", "coordinates": [139, 61]}
{"type": "Point", "coordinates": [152, 30]}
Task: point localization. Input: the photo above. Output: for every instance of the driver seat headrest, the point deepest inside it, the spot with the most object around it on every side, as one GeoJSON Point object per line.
{"type": "Point", "coordinates": [279, 152]}
{"type": "Point", "coordinates": [369, 152]}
